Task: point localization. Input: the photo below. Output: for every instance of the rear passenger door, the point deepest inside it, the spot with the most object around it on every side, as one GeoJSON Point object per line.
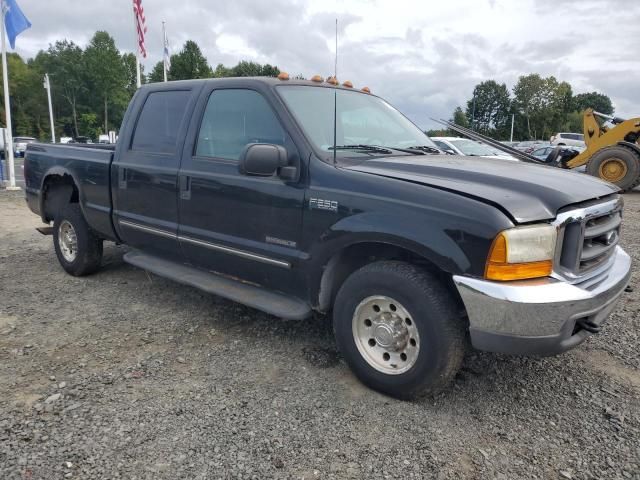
{"type": "Point", "coordinates": [245, 226]}
{"type": "Point", "coordinates": [145, 176]}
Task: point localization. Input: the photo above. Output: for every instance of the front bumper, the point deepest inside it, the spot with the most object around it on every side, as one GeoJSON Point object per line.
{"type": "Point", "coordinates": [541, 316]}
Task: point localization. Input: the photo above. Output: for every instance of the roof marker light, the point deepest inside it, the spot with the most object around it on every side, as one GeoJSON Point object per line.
{"type": "Point", "coordinates": [332, 80]}
{"type": "Point", "coordinates": [347, 84]}
{"type": "Point", "coordinates": [317, 78]}
{"type": "Point", "coordinates": [366, 90]}
{"type": "Point", "coordinates": [283, 76]}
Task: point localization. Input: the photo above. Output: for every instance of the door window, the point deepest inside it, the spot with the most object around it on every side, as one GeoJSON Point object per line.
{"type": "Point", "coordinates": [159, 121]}
{"type": "Point", "coordinates": [233, 118]}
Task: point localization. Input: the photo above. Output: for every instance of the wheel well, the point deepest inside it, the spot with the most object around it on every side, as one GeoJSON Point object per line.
{"type": "Point", "coordinates": [354, 257]}
{"type": "Point", "coordinates": [57, 192]}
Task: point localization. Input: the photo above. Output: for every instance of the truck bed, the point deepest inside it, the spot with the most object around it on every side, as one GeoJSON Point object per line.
{"type": "Point", "coordinates": [88, 165]}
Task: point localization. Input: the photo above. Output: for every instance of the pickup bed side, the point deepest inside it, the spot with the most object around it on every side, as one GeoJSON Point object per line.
{"type": "Point", "coordinates": [57, 174]}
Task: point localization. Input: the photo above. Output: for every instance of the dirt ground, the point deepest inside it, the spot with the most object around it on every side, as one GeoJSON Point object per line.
{"type": "Point", "coordinates": [126, 375]}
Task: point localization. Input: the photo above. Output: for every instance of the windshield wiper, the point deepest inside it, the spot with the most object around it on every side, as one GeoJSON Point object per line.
{"type": "Point", "coordinates": [368, 148]}
{"type": "Point", "coordinates": [380, 149]}
{"type": "Point", "coordinates": [426, 149]}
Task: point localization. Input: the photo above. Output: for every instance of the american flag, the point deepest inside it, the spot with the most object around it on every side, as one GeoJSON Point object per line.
{"type": "Point", "coordinates": [140, 26]}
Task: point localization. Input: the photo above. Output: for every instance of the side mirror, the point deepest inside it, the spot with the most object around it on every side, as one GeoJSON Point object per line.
{"type": "Point", "coordinates": [263, 159]}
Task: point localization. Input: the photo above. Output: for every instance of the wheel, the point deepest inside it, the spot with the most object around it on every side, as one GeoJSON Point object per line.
{"type": "Point", "coordinates": [398, 329]}
{"type": "Point", "coordinates": [78, 249]}
{"type": "Point", "coordinates": [619, 165]}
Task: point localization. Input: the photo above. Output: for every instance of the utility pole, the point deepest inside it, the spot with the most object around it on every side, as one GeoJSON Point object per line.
{"type": "Point", "coordinates": [513, 117]}
{"type": "Point", "coordinates": [165, 51]}
{"type": "Point", "coordinates": [47, 86]}
{"type": "Point", "coordinates": [473, 111]}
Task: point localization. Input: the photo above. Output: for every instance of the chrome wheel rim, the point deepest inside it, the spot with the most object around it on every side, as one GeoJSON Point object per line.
{"type": "Point", "coordinates": [385, 334]}
{"type": "Point", "coordinates": [68, 241]}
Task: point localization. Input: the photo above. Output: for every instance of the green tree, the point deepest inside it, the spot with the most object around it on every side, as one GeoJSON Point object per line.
{"type": "Point", "coordinates": [129, 63]}
{"type": "Point", "coordinates": [489, 108]}
{"type": "Point", "coordinates": [106, 71]}
{"type": "Point", "coordinates": [64, 63]}
{"type": "Point", "coordinates": [597, 101]}
{"type": "Point", "coordinates": [189, 63]}
{"type": "Point", "coordinates": [460, 118]}
{"type": "Point", "coordinates": [157, 73]}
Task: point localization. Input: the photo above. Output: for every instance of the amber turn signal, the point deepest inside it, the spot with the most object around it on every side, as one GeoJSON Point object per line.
{"type": "Point", "coordinates": [497, 267]}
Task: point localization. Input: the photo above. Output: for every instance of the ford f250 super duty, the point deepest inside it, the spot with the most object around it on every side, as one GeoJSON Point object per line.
{"type": "Point", "coordinates": [296, 196]}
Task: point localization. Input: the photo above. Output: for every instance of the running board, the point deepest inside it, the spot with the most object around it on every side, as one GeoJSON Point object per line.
{"type": "Point", "coordinates": [273, 303]}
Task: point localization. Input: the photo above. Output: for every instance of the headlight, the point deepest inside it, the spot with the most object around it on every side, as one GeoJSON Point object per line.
{"type": "Point", "coordinates": [522, 252]}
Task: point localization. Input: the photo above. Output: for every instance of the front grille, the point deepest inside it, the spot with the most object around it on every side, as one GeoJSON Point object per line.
{"type": "Point", "coordinates": [589, 236]}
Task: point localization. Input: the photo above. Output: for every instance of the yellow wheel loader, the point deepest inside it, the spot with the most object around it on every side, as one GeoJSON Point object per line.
{"type": "Point", "coordinates": [612, 153]}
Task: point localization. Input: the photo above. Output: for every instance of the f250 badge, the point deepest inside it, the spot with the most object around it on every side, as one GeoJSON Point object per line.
{"type": "Point", "coordinates": [322, 204]}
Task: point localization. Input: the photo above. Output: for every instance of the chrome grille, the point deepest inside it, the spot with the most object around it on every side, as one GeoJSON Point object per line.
{"type": "Point", "coordinates": [588, 236]}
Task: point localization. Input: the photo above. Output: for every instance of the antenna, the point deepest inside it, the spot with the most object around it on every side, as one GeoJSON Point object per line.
{"type": "Point", "coordinates": [335, 99]}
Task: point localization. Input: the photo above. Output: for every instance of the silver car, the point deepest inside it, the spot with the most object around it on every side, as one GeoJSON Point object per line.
{"type": "Point", "coordinates": [20, 145]}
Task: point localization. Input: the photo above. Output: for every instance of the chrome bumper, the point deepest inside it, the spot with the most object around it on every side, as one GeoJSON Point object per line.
{"type": "Point", "coordinates": [541, 316]}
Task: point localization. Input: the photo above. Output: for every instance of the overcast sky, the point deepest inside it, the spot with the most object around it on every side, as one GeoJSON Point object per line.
{"type": "Point", "coordinates": [423, 56]}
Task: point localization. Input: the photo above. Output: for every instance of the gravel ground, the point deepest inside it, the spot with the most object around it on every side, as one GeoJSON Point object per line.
{"type": "Point", "coordinates": [127, 375]}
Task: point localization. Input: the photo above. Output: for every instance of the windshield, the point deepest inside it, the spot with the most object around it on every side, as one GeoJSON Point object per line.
{"type": "Point", "coordinates": [362, 119]}
{"type": "Point", "coordinates": [469, 147]}
{"type": "Point", "coordinates": [24, 140]}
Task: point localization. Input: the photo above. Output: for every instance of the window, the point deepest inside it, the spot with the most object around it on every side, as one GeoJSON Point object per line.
{"type": "Point", "coordinates": [233, 118]}
{"type": "Point", "coordinates": [157, 128]}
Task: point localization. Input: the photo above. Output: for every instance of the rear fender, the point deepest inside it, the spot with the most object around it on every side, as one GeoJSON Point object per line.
{"type": "Point", "coordinates": [57, 170]}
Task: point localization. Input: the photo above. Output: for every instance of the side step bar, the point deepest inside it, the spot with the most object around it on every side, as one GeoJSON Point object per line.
{"type": "Point", "coordinates": [274, 303]}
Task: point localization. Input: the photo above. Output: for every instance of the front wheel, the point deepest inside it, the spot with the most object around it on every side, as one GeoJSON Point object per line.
{"type": "Point", "coordinates": [78, 249]}
{"type": "Point", "coordinates": [399, 329]}
{"type": "Point", "coordinates": [619, 165]}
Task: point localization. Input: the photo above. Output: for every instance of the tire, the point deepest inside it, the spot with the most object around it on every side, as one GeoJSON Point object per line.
{"type": "Point", "coordinates": [82, 256]}
{"type": "Point", "coordinates": [618, 165]}
{"type": "Point", "coordinates": [435, 337]}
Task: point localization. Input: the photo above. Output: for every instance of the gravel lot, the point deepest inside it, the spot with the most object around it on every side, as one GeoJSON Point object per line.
{"type": "Point", "coordinates": [126, 375]}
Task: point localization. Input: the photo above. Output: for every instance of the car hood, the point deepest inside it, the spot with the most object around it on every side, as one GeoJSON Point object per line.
{"type": "Point", "coordinates": [527, 192]}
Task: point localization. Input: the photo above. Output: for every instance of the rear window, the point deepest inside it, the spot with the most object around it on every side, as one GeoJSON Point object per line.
{"type": "Point", "coordinates": [159, 121]}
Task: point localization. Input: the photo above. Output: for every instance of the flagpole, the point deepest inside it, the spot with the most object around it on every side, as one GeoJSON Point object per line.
{"type": "Point", "coordinates": [135, 31]}
{"type": "Point", "coordinates": [7, 107]}
{"type": "Point", "coordinates": [164, 53]}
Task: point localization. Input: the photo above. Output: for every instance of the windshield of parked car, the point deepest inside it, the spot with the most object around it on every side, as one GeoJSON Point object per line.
{"type": "Point", "coordinates": [24, 140]}
{"type": "Point", "coordinates": [469, 147]}
{"type": "Point", "coordinates": [361, 120]}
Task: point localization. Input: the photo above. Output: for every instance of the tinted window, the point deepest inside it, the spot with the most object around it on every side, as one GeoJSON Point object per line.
{"type": "Point", "coordinates": [157, 128]}
{"type": "Point", "coordinates": [234, 118]}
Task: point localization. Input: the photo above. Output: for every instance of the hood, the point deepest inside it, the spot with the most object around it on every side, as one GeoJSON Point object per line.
{"type": "Point", "coordinates": [527, 192]}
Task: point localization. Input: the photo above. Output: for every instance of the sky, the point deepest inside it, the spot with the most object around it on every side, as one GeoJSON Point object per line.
{"type": "Point", "coordinates": [423, 56]}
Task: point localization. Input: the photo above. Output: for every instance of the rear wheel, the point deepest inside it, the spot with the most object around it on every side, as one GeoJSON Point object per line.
{"type": "Point", "coordinates": [399, 329]}
{"type": "Point", "coordinates": [619, 165]}
{"type": "Point", "coordinates": [78, 249]}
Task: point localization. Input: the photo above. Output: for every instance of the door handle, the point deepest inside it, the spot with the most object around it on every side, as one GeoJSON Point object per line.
{"type": "Point", "coordinates": [184, 184]}
{"type": "Point", "coordinates": [122, 178]}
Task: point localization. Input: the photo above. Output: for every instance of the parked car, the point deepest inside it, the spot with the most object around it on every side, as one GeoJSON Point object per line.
{"type": "Point", "coordinates": [471, 148]}
{"type": "Point", "coordinates": [237, 187]}
{"type": "Point", "coordinates": [20, 145]}
{"type": "Point", "coordinates": [570, 139]}
{"type": "Point", "coordinates": [529, 146]}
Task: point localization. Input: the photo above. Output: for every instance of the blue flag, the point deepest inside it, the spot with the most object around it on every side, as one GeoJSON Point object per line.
{"type": "Point", "coordinates": [14, 20]}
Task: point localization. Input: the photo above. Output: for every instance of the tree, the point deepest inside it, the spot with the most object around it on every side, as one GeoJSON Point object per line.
{"type": "Point", "coordinates": [157, 73]}
{"type": "Point", "coordinates": [460, 118]}
{"type": "Point", "coordinates": [106, 71]}
{"type": "Point", "coordinates": [597, 101]}
{"type": "Point", "coordinates": [64, 63]}
{"type": "Point", "coordinates": [489, 108]}
{"type": "Point", "coordinates": [189, 63]}
{"type": "Point", "coordinates": [131, 74]}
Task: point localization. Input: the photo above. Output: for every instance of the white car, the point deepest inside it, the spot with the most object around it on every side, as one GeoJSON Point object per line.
{"type": "Point", "coordinates": [569, 139]}
{"type": "Point", "coordinates": [20, 145]}
{"type": "Point", "coordinates": [464, 146]}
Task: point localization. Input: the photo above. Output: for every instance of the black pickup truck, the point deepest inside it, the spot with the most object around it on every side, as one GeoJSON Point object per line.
{"type": "Point", "coordinates": [238, 187]}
